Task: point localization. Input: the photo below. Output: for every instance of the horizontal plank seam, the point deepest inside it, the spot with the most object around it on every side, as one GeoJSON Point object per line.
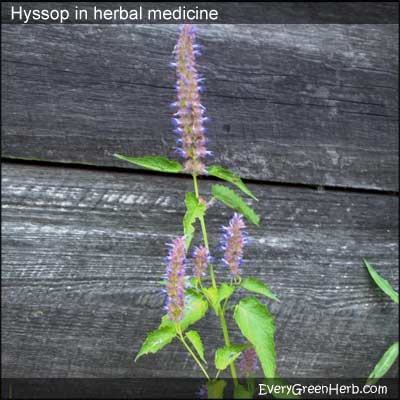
{"type": "Point", "coordinates": [319, 187]}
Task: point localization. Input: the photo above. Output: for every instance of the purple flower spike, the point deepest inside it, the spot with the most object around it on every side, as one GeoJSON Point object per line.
{"type": "Point", "coordinates": [176, 279]}
{"type": "Point", "coordinates": [189, 116]}
{"type": "Point", "coordinates": [233, 241]}
{"type": "Point", "coordinates": [201, 260]}
{"type": "Point", "coordinates": [248, 362]}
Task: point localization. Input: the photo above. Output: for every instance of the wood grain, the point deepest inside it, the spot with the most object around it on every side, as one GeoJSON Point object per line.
{"type": "Point", "coordinates": [83, 252]}
{"type": "Point", "coordinates": [313, 104]}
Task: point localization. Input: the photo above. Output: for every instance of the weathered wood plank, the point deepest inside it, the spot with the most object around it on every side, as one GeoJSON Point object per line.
{"type": "Point", "coordinates": [83, 252]}
{"type": "Point", "coordinates": [291, 103]}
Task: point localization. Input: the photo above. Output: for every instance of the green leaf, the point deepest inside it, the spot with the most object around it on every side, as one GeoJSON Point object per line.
{"type": "Point", "coordinates": [229, 176]}
{"type": "Point", "coordinates": [382, 283]}
{"type": "Point", "coordinates": [155, 163]}
{"type": "Point", "coordinates": [217, 295]}
{"type": "Point", "coordinates": [195, 309]}
{"type": "Point", "coordinates": [195, 339]}
{"type": "Point", "coordinates": [225, 291]}
{"type": "Point", "coordinates": [256, 286]}
{"type": "Point", "coordinates": [384, 364]}
{"type": "Point", "coordinates": [193, 282]}
{"type": "Point", "coordinates": [216, 389]}
{"type": "Point", "coordinates": [194, 210]}
{"type": "Point", "coordinates": [226, 355]}
{"type": "Point", "coordinates": [156, 340]}
{"type": "Point", "coordinates": [240, 392]}
{"type": "Point", "coordinates": [212, 294]}
{"type": "Point", "coordinates": [233, 200]}
{"type": "Point", "coordinates": [257, 326]}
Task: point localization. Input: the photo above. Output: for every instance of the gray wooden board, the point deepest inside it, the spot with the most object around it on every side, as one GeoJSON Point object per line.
{"type": "Point", "coordinates": [83, 253]}
{"type": "Point", "coordinates": [290, 103]}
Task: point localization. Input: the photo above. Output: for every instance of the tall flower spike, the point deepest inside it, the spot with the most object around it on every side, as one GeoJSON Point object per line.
{"type": "Point", "coordinates": [175, 278]}
{"type": "Point", "coordinates": [248, 362]}
{"type": "Point", "coordinates": [189, 118]}
{"type": "Point", "coordinates": [201, 258]}
{"type": "Point", "coordinates": [233, 241]}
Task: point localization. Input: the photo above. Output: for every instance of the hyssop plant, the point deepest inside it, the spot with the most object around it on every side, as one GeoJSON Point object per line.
{"type": "Point", "coordinates": [190, 293]}
{"type": "Point", "coordinates": [391, 354]}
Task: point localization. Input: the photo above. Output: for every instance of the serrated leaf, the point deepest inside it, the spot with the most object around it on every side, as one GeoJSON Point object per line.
{"type": "Point", "coordinates": [225, 291]}
{"type": "Point", "coordinates": [256, 286]}
{"type": "Point", "coordinates": [194, 210]}
{"type": "Point", "coordinates": [240, 392]}
{"type": "Point", "coordinates": [233, 200]}
{"type": "Point", "coordinates": [215, 296]}
{"type": "Point", "coordinates": [216, 389]}
{"type": "Point", "coordinates": [212, 295]}
{"type": "Point", "coordinates": [195, 339]}
{"type": "Point", "coordinates": [155, 163]}
{"type": "Point", "coordinates": [226, 355]}
{"type": "Point", "coordinates": [195, 309]}
{"type": "Point", "coordinates": [229, 176]}
{"type": "Point", "coordinates": [156, 340]}
{"type": "Point", "coordinates": [383, 284]}
{"type": "Point", "coordinates": [257, 326]}
{"type": "Point", "coordinates": [384, 364]}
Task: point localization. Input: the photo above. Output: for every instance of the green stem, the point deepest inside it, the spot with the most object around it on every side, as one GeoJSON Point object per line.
{"type": "Point", "coordinates": [182, 339]}
{"type": "Point", "coordinates": [204, 231]}
{"type": "Point", "coordinates": [214, 283]}
{"type": "Point", "coordinates": [196, 186]}
{"type": "Point", "coordinates": [228, 343]}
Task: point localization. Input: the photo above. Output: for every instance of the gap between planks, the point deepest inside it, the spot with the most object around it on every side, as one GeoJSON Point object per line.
{"type": "Point", "coordinates": [93, 167]}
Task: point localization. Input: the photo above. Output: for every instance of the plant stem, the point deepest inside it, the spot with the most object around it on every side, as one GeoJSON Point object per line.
{"type": "Point", "coordinates": [214, 283]}
{"type": "Point", "coordinates": [196, 186]}
{"type": "Point", "coordinates": [182, 339]}
{"type": "Point", "coordinates": [228, 343]}
{"type": "Point", "coordinates": [204, 231]}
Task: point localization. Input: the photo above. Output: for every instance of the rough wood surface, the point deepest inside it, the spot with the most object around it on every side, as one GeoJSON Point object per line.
{"type": "Point", "coordinates": [83, 252]}
{"type": "Point", "coordinates": [291, 103]}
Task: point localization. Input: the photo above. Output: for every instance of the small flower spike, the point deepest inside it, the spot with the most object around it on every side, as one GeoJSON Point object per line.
{"type": "Point", "coordinates": [175, 278]}
{"type": "Point", "coordinates": [233, 241]}
{"type": "Point", "coordinates": [201, 258]}
{"type": "Point", "coordinates": [189, 118]}
{"type": "Point", "coordinates": [248, 362]}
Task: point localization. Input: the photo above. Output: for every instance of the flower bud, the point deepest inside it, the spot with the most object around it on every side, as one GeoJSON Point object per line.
{"type": "Point", "coordinates": [175, 278]}
{"type": "Point", "coordinates": [233, 241]}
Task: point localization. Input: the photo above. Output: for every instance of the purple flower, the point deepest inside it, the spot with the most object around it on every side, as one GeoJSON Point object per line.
{"type": "Point", "coordinates": [248, 361]}
{"type": "Point", "coordinates": [233, 241]}
{"type": "Point", "coordinates": [189, 118]}
{"type": "Point", "coordinates": [175, 278]}
{"type": "Point", "coordinates": [201, 260]}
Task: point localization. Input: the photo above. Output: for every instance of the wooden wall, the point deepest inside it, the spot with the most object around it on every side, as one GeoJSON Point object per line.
{"type": "Point", "coordinates": [307, 114]}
